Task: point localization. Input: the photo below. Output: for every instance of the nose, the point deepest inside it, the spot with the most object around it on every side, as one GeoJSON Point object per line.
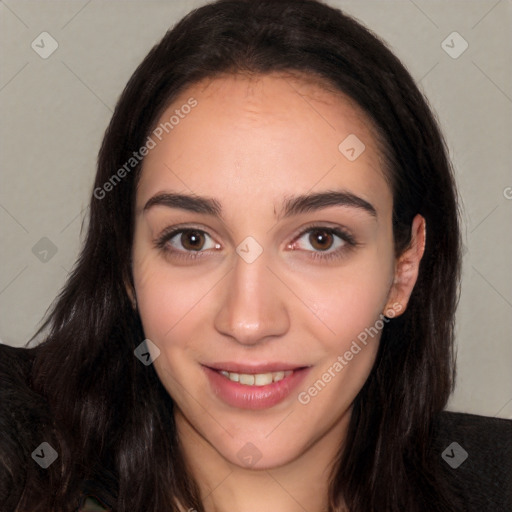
{"type": "Point", "coordinates": [252, 308]}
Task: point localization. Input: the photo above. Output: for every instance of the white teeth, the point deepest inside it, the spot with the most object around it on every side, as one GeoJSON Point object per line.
{"type": "Point", "coordinates": [263, 379]}
{"type": "Point", "coordinates": [246, 379]}
{"type": "Point", "coordinates": [277, 376]}
{"type": "Point", "coordinates": [258, 379]}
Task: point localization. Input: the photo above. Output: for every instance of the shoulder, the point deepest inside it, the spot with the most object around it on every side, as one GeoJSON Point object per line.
{"type": "Point", "coordinates": [475, 455]}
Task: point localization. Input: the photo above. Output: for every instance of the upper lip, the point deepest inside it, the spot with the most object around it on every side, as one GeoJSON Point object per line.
{"type": "Point", "coordinates": [253, 367]}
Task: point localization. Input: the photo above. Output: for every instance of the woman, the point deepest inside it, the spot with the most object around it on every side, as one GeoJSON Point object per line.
{"type": "Point", "coordinates": [262, 312]}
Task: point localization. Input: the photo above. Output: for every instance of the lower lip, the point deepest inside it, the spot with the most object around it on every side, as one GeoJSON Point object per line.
{"type": "Point", "coordinates": [254, 397]}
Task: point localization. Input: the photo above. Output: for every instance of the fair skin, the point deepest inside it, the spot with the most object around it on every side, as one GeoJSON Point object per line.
{"type": "Point", "coordinates": [250, 143]}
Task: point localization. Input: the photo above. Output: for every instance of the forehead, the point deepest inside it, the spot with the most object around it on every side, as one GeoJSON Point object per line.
{"type": "Point", "coordinates": [267, 135]}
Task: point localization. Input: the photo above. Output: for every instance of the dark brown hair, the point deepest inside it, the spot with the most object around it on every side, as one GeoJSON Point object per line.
{"type": "Point", "coordinates": [111, 419]}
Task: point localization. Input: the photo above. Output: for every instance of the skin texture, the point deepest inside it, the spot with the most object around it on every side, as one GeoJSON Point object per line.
{"type": "Point", "coordinates": [250, 142]}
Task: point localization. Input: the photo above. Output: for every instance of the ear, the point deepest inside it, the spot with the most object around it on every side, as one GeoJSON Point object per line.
{"type": "Point", "coordinates": [407, 269]}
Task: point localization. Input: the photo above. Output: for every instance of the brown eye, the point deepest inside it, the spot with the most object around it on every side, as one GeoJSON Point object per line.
{"type": "Point", "coordinates": [189, 243]}
{"type": "Point", "coordinates": [325, 243]}
{"type": "Point", "coordinates": [321, 239]}
{"type": "Point", "coordinates": [192, 240]}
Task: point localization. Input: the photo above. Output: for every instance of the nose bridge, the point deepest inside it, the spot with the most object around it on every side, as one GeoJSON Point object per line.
{"type": "Point", "coordinates": [253, 307]}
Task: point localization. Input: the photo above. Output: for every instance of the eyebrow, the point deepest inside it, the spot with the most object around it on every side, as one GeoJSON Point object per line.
{"type": "Point", "coordinates": [293, 205]}
{"type": "Point", "coordinates": [192, 203]}
{"type": "Point", "coordinates": [296, 205]}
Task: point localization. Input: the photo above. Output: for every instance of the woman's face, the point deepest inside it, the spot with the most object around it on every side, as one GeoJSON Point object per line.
{"type": "Point", "coordinates": [264, 249]}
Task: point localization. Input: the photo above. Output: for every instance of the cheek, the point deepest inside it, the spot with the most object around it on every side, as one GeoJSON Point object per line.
{"type": "Point", "coordinates": [351, 307]}
{"type": "Point", "coordinates": [169, 305]}
{"type": "Point", "coordinates": [165, 299]}
{"type": "Point", "coordinates": [352, 300]}
{"type": "Point", "coordinates": [355, 306]}
{"type": "Point", "coordinates": [353, 315]}
{"type": "Point", "coordinates": [171, 301]}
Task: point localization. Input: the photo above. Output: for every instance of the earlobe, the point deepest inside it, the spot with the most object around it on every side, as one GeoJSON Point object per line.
{"type": "Point", "coordinates": [407, 269]}
{"type": "Point", "coordinates": [393, 310]}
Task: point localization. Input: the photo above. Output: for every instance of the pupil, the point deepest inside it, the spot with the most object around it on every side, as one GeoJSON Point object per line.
{"type": "Point", "coordinates": [321, 239]}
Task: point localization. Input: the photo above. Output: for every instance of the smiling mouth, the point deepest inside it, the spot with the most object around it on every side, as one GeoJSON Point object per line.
{"type": "Point", "coordinates": [254, 386]}
{"type": "Point", "coordinates": [256, 379]}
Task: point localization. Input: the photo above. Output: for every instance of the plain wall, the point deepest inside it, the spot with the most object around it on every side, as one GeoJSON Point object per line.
{"type": "Point", "coordinates": [55, 111]}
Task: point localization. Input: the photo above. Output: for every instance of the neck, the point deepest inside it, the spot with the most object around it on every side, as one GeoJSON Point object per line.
{"type": "Point", "coordinates": [296, 486]}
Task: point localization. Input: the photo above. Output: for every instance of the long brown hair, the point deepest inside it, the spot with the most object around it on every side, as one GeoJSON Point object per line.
{"type": "Point", "coordinates": [111, 419]}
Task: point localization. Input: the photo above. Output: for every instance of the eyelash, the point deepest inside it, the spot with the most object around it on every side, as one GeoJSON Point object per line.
{"type": "Point", "coordinates": [350, 243]}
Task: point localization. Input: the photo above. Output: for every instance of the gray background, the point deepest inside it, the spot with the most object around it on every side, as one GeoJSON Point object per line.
{"type": "Point", "coordinates": [55, 110]}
